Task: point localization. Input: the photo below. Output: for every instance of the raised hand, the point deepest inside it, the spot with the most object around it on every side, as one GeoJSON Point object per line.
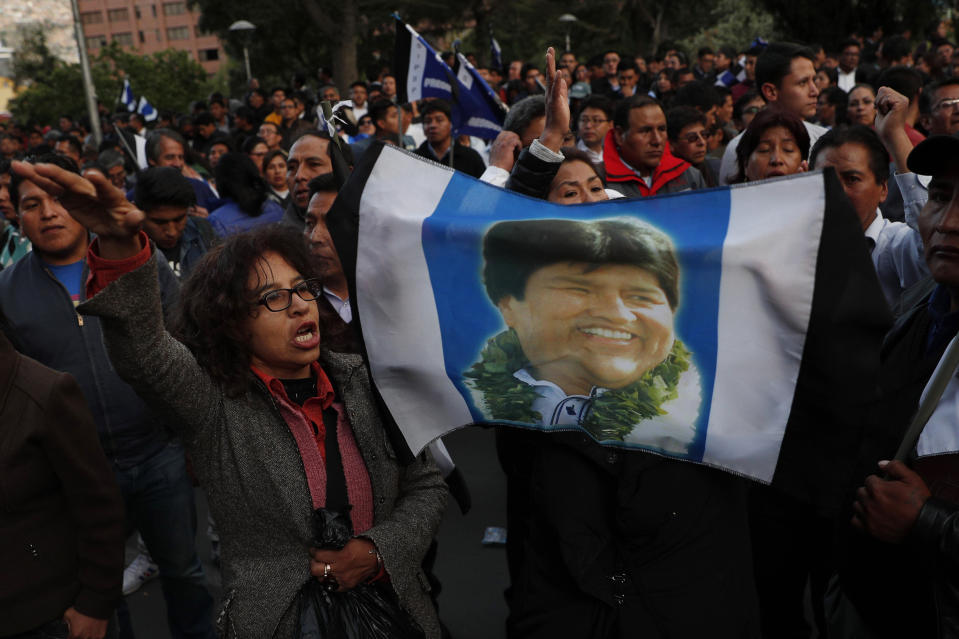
{"type": "Point", "coordinates": [93, 202]}
{"type": "Point", "coordinates": [557, 106]}
{"type": "Point", "coordinates": [891, 109]}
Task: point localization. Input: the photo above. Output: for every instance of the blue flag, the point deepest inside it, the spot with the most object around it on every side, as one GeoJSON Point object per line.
{"type": "Point", "coordinates": [469, 77]}
{"type": "Point", "coordinates": [126, 97]}
{"type": "Point", "coordinates": [421, 73]}
{"type": "Point", "coordinates": [146, 109]}
{"type": "Point", "coordinates": [734, 327]}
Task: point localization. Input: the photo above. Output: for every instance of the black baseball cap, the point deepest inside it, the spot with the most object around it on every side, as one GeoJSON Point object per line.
{"type": "Point", "coordinates": [934, 154]}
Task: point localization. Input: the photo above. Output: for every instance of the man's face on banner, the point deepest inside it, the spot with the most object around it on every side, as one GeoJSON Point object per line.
{"type": "Point", "coordinates": [582, 327]}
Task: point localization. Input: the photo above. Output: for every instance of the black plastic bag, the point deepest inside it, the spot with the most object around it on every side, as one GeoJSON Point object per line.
{"type": "Point", "coordinates": [368, 611]}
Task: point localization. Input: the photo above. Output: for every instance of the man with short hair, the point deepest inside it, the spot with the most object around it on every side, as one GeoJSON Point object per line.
{"type": "Point", "coordinates": [166, 147]}
{"type": "Point", "coordinates": [204, 127]}
{"type": "Point", "coordinates": [637, 156]}
{"type": "Point", "coordinates": [389, 86]}
{"type": "Point", "coordinates": [220, 113]}
{"type": "Point", "coordinates": [568, 60]}
{"type": "Point", "coordinates": [39, 295]}
{"type": "Point", "coordinates": [68, 146]}
{"type": "Point", "coordinates": [112, 163]}
{"type": "Point", "coordinates": [269, 132]}
{"type": "Point", "coordinates": [862, 164]}
{"type": "Point", "coordinates": [939, 107]}
{"type": "Point", "coordinates": [386, 124]}
{"type": "Point", "coordinates": [329, 93]}
{"type": "Point", "coordinates": [702, 96]}
{"type": "Point", "coordinates": [309, 158]}
{"type": "Point", "coordinates": [849, 72]}
{"type": "Point", "coordinates": [277, 95]}
{"type": "Point", "coordinates": [322, 192]}
{"type": "Point", "coordinates": [594, 122]}
{"type": "Point", "coordinates": [909, 534]}
{"type": "Point", "coordinates": [704, 69]}
{"type": "Point", "coordinates": [165, 196]}
{"type": "Point", "coordinates": [293, 126]}
{"type": "Point", "coordinates": [440, 146]}
{"type": "Point", "coordinates": [609, 83]}
{"type": "Point", "coordinates": [784, 76]}
{"type": "Point", "coordinates": [523, 124]}
{"type": "Point", "coordinates": [628, 77]}
{"type": "Point", "coordinates": [359, 92]}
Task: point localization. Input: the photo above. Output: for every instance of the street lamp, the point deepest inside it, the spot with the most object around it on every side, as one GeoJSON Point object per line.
{"type": "Point", "coordinates": [568, 19]}
{"type": "Point", "coordinates": [244, 29]}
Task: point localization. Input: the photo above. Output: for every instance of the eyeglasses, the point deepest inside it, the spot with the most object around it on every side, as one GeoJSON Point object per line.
{"type": "Point", "coordinates": [280, 299]}
{"type": "Point", "coordinates": [947, 104]}
{"type": "Point", "coordinates": [593, 121]}
{"type": "Point", "coordinates": [753, 110]}
{"type": "Point", "coordinates": [692, 137]}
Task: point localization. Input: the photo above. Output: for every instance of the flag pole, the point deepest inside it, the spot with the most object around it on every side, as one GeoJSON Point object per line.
{"type": "Point", "coordinates": [945, 370]}
{"type": "Point", "coordinates": [88, 88]}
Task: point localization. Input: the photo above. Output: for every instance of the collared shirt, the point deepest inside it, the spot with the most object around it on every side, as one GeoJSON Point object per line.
{"type": "Point", "coordinates": [846, 80]}
{"type": "Point", "coordinates": [341, 306]}
{"type": "Point", "coordinates": [553, 404]}
{"type": "Point", "coordinates": [595, 156]}
{"type": "Point", "coordinates": [897, 255]}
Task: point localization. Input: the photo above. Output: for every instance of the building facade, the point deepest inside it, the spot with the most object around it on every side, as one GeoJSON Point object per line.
{"type": "Point", "coordinates": [148, 26]}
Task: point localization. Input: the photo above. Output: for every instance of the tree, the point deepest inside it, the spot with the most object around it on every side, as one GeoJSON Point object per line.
{"type": "Point", "coordinates": [169, 80]}
{"type": "Point", "coordinates": [735, 23]}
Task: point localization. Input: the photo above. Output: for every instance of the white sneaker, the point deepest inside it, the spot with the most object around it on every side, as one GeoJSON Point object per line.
{"type": "Point", "coordinates": [141, 570]}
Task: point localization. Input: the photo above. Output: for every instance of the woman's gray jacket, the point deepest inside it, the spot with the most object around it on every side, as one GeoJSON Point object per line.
{"type": "Point", "coordinates": [247, 460]}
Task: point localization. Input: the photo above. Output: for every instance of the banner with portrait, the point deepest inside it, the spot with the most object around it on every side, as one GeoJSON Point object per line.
{"type": "Point", "coordinates": [678, 325]}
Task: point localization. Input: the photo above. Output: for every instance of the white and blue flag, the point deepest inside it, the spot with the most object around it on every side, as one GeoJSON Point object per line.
{"type": "Point", "coordinates": [496, 53]}
{"type": "Point", "coordinates": [772, 332]}
{"type": "Point", "coordinates": [126, 96]}
{"type": "Point", "coordinates": [146, 109]}
{"type": "Point", "coordinates": [421, 73]}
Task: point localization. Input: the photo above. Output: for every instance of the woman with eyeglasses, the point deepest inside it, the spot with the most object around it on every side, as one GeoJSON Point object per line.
{"type": "Point", "coordinates": [275, 426]}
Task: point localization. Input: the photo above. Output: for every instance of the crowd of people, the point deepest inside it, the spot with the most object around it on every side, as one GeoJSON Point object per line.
{"type": "Point", "coordinates": [182, 273]}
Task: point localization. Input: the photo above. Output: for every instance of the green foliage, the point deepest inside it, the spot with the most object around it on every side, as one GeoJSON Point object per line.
{"type": "Point", "coordinates": [169, 79]}
{"type": "Point", "coordinates": [735, 23]}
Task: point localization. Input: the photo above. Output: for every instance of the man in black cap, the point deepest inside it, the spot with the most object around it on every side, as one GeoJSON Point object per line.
{"type": "Point", "coordinates": [903, 578]}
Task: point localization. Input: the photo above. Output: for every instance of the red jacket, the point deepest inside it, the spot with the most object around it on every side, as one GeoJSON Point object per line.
{"type": "Point", "coordinates": [672, 174]}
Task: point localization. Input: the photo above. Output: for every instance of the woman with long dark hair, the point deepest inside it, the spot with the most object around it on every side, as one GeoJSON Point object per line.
{"type": "Point", "coordinates": [276, 428]}
{"type": "Point", "coordinates": [244, 193]}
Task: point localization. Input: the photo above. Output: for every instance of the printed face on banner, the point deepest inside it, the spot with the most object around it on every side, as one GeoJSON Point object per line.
{"type": "Point", "coordinates": [588, 334]}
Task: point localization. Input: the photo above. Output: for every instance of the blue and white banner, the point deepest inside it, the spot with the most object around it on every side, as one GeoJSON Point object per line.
{"type": "Point", "coordinates": [126, 97]}
{"type": "Point", "coordinates": [698, 326]}
{"type": "Point", "coordinates": [421, 73]}
{"type": "Point", "coordinates": [146, 109]}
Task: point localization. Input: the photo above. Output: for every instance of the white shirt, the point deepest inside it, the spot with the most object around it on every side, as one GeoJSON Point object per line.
{"type": "Point", "coordinates": [595, 156]}
{"type": "Point", "coordinates": [846, 80]}
{"type": "Point", "coordinates": [341, 306]}
{"type": "Point", "coordinates": [728, 167]}
{"type": "Point", "coordinates": [897, 254]}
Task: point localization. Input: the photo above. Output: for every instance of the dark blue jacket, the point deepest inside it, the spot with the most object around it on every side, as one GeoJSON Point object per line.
{"type": "Point", "coordinates": [48, 329]}
{"type": "Point", "coordinates": [198, 238]}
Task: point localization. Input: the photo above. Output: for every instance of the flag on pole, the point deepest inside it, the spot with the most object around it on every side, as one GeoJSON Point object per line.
{"type": "Point", "coordinates": [496, 53]}
{"type": "Point", "coordinates": [126, 96]}
{"type": "Point", "coordinates": [146, 109]}
{"type": "Point", "coordinates": [469, 77]}
{"type": "Point", "coordinates": [736, 327]}
{"type": "Point", "coordinates": [421, 73]}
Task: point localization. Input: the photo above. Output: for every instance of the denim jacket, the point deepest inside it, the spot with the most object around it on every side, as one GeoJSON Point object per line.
{"type": "Point", "coordinates": [48, 328]}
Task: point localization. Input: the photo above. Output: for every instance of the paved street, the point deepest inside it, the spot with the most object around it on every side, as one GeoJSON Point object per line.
{"type": "Point", "coordinates": [473, 575]}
